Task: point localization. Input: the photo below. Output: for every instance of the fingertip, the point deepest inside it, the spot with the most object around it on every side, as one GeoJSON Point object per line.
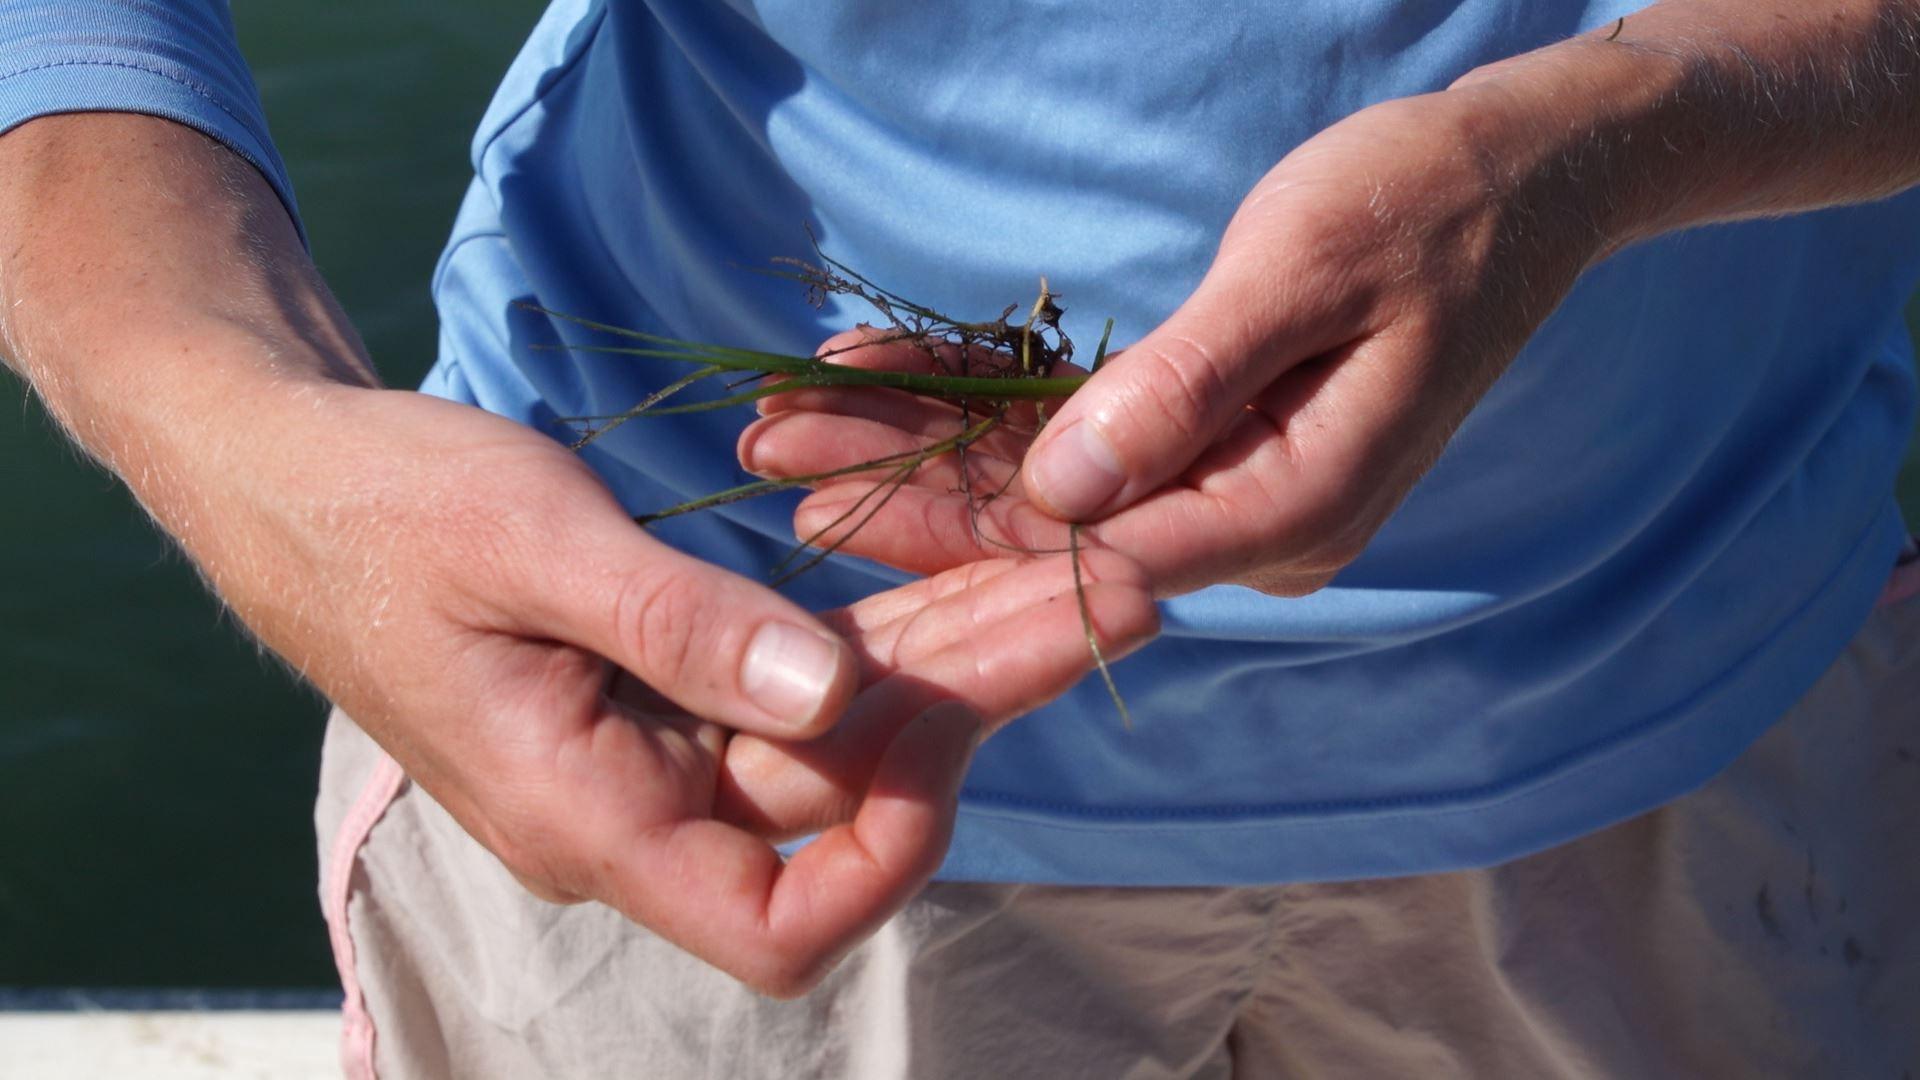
{"type": "Point", "coordinates": [821, 509]}
{"type": "Point", "coordinates": [1074, 473]}
{"type": "Point", "coordinates": [1067, 368]}
{"type": "Point", "coordinates": [745, 442]}
{"type": "Point", "coordinates": [785, 400]}
{"type": "Point", "coordinates": [831, 518]}
{"type": "Point", "coordinates": [748, 442]}
{"type": "Point", "coordinates": [851, 338]}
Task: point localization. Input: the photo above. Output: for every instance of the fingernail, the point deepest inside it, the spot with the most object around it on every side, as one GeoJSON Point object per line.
{"type": "Point", "coordinates": [789, 671]}
{"type": "Point", "coordinates": [1077, 472]}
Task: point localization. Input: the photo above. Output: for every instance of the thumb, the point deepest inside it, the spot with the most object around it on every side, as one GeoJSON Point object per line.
{"type": "Point", "coordinates": [719, 646]}
{"type": "Point", "coordinates": [1151, 409]}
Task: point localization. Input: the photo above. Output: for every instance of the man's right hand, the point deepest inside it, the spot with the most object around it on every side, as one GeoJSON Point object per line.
{"type": "Point", "coordinates": [620, 722]}
{"type": "Point", "coordinates": [466, 589]}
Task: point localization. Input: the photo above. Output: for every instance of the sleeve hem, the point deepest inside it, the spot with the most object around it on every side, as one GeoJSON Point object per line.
{"type": "Point", "coordinates": [72, 86]}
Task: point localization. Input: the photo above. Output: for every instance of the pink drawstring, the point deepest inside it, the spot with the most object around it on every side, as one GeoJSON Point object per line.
{"type": "Point", "coordinates": [356, 1027]}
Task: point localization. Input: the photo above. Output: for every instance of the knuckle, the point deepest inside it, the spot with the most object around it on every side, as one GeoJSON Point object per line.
{"type": "Point", "coordinates": [1184, 388]}
{"type": "Point", "coordinates": [659, 615]}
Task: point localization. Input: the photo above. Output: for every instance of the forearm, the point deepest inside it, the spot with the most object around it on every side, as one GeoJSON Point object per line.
{"type": "Point", "coordinates": [154, 293]}
{"type": "Point", "coordinates": [1698, 111]}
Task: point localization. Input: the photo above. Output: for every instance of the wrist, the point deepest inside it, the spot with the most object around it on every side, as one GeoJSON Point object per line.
{"type": "Point", "coordinates": [202, 423]}
{"type": "Point", "coordinates": [144, 261]}
{"type": "Point", "coordinates": [1581, 133]}
{"type": "Point", "coordinates": [157, 298]}
{"type": "Point", "coordinates": [1692, 112]}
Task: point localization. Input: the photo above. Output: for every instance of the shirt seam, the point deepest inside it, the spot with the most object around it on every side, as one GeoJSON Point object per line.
{"type": "Point", "coordinates": [186, 84]}
{"type": "Point", "coordinates": [453, 249]}
{"type": "Point", "coordinates": [554, 76]}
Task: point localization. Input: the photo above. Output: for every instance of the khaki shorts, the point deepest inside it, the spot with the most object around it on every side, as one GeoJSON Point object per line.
{"type": "Point", "coordinates": [1767, 925]}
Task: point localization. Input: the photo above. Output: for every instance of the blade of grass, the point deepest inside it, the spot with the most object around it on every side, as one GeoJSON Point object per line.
{"type": "Point", "coordinates": [1086, 625]}
{"type": "Point", "coordinates": [641, 409]}
{"type": "Point", "coordinates": [785, 570]}
{"type": "Point", "coordinates": [951, 387]}
{"type": "Point", "coordinates": [700, 347]}
{"type": "Point", "coordinates": [767, 487]}
{"type": "Point", "coordinates": [786, 365]}
{"type": "Point", "coordinates": [909, 462]}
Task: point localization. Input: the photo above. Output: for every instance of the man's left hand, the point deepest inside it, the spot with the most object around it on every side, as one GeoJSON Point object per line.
{"type": "Point", "coordinates": [1368, 291]}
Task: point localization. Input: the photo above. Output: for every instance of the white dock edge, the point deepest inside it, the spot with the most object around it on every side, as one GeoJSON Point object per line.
{"type": "Point", "coordinates": [219, 1045]}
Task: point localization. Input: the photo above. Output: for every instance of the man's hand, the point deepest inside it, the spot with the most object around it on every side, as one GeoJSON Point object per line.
{"type": "Point", "coordinates": [471, 594]}
{"type": "Point", "coordinates": [466, 588]}
{"type": "Point", "coordinates": [1364, 297]}
{"type": "Point", "coordinates": [1373, 286]}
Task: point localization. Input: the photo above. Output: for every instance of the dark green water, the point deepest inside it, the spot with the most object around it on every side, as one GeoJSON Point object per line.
{"type": "Point", "coordinates": [156, 774]}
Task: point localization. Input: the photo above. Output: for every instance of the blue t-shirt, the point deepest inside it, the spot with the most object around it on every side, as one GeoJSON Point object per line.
{"type": "Point", "coordinates": [1647, 541]}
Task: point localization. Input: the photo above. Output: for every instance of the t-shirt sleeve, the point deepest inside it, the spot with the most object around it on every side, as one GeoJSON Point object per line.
{"type": "Point", "coordinates": [170, 58]}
